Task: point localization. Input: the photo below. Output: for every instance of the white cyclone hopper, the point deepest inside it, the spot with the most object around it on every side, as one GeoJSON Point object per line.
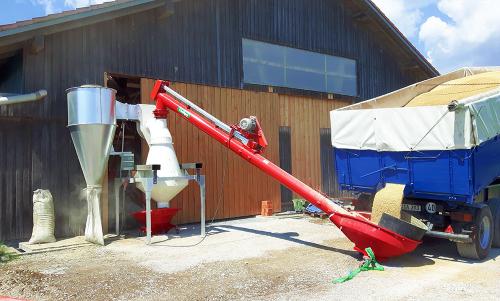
{"type": "Point", "coordinates": [161, 152]}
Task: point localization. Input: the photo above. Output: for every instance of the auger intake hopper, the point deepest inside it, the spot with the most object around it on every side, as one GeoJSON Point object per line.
{"type": "Point", "coordinates": [363, 233]}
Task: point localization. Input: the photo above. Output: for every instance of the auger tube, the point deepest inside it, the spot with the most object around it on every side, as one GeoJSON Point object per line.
{"type": "Point", "coordinates": [357, 228]}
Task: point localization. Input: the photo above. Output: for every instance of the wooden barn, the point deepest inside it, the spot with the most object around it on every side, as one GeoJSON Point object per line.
{"type": "Point", "coordinates": [287, 62]}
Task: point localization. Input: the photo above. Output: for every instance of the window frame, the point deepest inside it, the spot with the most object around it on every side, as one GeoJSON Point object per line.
{"type": "Point", "coordinates": [286, 66]}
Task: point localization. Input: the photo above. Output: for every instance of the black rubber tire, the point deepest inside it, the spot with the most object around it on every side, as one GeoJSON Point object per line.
{"type": "Point", "coordinates": [474, 250]}
{"type": "Point", "coordinates": [495, 212]}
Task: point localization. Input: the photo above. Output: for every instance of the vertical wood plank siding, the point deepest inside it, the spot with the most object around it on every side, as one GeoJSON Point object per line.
{"type": "Point", "coordinates": [329, 184]}
{"type": "Point", "coordinates": [199, 44]}
{"type": "Point", "coordinates": [285, 163]}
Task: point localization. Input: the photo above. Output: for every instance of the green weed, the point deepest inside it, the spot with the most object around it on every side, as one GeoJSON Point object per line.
{"type": "Point", "coordinates": [5, 254]}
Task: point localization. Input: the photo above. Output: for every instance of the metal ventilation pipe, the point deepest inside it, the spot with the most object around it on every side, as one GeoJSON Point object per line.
{"type": "Point", "coordinates": [13, 99]}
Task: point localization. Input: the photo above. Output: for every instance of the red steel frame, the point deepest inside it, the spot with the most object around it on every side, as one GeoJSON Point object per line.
{"type": "Point", "coordinates": [357, 228]}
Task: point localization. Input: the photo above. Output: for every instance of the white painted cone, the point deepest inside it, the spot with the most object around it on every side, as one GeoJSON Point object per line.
{"type": "Point", "coordinates": [161, 152]}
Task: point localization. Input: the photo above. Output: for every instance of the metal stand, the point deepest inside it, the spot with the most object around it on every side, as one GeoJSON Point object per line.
{"type": "Point", "coordinates": [147, 175]}
{"type": "Point", "coordinates": [126, 165]}
{"type": "Point", "coordinates": [118, 185]}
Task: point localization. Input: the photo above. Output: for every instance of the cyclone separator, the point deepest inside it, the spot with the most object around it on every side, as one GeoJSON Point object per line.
{"type": "Point", "coordinates": [92, 124]}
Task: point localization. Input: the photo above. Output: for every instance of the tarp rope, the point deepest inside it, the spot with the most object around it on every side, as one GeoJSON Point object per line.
{"type": "Point", "coordinates": [370, 264]}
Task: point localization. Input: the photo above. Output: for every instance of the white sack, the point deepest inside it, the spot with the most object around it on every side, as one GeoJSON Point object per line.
{"type": "Point", "coordinates": [93, 228]}
{"type": "Point", "coordinates": [43, 217]}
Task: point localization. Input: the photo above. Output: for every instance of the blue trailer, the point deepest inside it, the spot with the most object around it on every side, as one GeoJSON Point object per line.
{"type": "Point", "coordinates": [446, 154]}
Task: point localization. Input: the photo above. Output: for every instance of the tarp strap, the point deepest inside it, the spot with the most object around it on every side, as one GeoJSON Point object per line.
{"type": "Point", "coordinates": [370, 264]}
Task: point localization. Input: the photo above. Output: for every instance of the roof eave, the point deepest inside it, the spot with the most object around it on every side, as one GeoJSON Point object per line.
{"type": "Point", "coordinates": [396, 33]}
{"type": "Point", "coordinates": [23, 33]}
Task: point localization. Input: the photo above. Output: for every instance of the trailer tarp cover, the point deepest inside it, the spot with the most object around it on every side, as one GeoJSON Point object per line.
{"type": "Point", "coordinates": [418, 117]}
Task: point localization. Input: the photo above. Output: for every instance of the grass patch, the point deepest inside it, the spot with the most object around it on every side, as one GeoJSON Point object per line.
{"type": "Point", "coordinates": [5, 254]}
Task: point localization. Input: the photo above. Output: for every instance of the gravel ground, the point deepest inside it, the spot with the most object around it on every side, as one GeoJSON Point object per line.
{"type": "Point", "coordinates": [278, 258]}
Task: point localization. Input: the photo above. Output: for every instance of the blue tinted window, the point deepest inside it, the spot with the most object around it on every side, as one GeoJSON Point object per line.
{"type": "Point", "coordinates": [256, 73]}
{"type": "Point", "coordinates": [263, 63]}
{"type": "Point", "coordinates": [305, 60]}
{"type": "Point", "coordinates": [263, 52]}
{"type": "Point", "coordinates": [305, 80]}
{"type": "Point", "coordinates": [274, 65]}
{"type": "Point", "coordinates": [340, 66]}
{"type": "Point", "coordinates": [341, 85]}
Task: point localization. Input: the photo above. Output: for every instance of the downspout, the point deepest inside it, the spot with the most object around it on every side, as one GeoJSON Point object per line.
{"type": "Point", "coordinates": [8, 100]}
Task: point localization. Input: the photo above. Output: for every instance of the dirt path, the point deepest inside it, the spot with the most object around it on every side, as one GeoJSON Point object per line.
{"type": "Point", "coordinates": [252, 259]}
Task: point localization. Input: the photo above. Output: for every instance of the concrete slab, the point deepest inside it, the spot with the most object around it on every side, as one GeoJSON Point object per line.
{"type": "Point", "coordinates": [62, 244]}
{"type": "Point", "coordinates": [272, 258]}
{"type": "Point", "coordinates": [53, 246]}
{"type": "Point", "coordinates": [225, 241]}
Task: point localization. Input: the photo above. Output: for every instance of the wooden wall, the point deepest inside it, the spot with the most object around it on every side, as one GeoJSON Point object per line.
{"type": "Point", "coordinates": [305, 117]}
{"type": "Point", "coordinates": [243, 187]}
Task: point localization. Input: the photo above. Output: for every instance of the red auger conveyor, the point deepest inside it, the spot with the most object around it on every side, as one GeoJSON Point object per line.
{"type": "Point", "coordinates": [247, 140]}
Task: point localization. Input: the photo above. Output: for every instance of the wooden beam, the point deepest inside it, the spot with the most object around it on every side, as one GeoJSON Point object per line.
{"type": "Point", "coordinates": [166, 11]}
{"type": "Point", "coordinates": [10, 50]}
{"type": "Point", "coordinates": [360, 17]}
{"type": "Point", "coordinates": [133, 85]}
{"type": "Point", "coordinates": [37, 44]}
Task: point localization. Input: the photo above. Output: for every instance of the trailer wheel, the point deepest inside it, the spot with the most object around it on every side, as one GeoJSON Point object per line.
{"type": "Point", "coordinates": [495, 212]}
{"type": "Point", "coordinates": [481, 244]}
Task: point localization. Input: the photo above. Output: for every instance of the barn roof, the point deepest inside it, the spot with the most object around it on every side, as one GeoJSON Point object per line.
{"type": "Point", "coordinates": [365, 10]}
{"type": "Point", "coordinates": [27, 29]}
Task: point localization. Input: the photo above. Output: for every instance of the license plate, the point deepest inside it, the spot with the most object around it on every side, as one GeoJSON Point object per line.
{"type": "Point", "coordinates": [410, 207]}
